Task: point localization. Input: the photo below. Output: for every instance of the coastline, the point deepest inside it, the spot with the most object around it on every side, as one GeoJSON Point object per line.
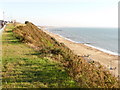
{"type": "Point", "coordinates": [43, 57]}
{"type": "Point", "coordinates": [101, 49]}
{"type": "Point", "coordinates": [109, 60]}
{"type": "Point", "coordinates": [87, 44]}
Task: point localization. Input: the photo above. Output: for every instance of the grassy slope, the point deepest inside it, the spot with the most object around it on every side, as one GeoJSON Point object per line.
{"type": "Point", "coordinates": [22, 68]}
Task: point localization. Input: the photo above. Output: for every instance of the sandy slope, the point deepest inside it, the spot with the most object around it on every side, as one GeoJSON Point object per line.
{"type": "Point", "coordinates": [109, 61]}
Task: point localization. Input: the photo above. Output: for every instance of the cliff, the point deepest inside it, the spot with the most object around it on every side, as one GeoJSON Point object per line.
{"type": "Point", "coordinates": [86, 74]}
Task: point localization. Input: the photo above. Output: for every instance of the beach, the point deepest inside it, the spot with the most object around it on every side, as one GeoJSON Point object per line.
{"type": "Point", "coordinates": [109, 61]}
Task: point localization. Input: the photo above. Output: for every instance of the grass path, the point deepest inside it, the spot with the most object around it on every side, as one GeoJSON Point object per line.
{"type": "Point", "coordinates": [23, 69]}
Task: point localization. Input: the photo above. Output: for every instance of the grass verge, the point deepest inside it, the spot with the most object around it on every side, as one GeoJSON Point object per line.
{"type": "Point", "coordinates": [23, 69]}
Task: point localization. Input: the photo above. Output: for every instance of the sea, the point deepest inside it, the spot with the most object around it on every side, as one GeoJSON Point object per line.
{"type": "Point", "coordinates": [104, 39]}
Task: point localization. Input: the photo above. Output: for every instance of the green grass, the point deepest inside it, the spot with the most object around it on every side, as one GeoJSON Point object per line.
{"type": "Point", "coordinates": [25, 68]}
{"type": "Point", "coordinates": [22, 68]}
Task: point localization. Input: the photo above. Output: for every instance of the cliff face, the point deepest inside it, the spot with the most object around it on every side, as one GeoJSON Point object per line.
{"type": "Point", "coordinates": [86, 74]}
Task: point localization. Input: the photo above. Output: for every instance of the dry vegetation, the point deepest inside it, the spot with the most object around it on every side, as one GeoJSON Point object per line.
{"type": "Point", "coordinates": [86, 74]}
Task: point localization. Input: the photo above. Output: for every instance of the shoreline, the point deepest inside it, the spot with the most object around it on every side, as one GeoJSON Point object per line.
{"type": "Point", "coordinates": [101, 49]}
{"type": "Point", "coordinates": [88, 44]}
{"type": "Point", "coordinates": [106, 59]}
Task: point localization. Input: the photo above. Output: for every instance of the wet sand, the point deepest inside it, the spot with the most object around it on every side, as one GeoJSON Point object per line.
{"type": "Point", "coordinates": [105, 59]}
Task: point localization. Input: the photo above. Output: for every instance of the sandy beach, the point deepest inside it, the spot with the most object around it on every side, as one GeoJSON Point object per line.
{"type": "Point", "coordinates": [105, 59]}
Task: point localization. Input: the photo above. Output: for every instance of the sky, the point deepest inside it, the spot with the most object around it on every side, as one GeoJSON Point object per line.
{"type": "Point", "coordinates": [70, 13]}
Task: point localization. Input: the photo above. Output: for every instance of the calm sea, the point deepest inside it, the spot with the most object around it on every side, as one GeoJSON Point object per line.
{"type": "Point", "coordinates": [105, 39]}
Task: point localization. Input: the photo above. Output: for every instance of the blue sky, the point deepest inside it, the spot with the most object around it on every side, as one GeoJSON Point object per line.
{"type": "Point", "coordinates": [74, 13]}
